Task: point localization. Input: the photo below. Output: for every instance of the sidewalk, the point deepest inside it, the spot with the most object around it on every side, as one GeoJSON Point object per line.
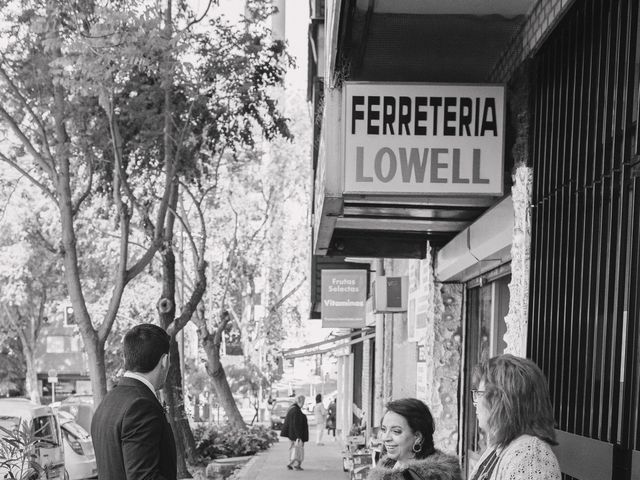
{"type": "Point", "coordinates": [321, 462]}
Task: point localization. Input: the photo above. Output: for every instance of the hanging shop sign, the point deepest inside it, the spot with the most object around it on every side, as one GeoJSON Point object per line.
{"type": "Point", "coordinates": [432, 139]}
{"type": "Point", "coordinates": [344, 296]}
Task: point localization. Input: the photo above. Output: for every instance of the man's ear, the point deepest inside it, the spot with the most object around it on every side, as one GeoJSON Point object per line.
{"type": "Point", "coordinates": [164, 359]}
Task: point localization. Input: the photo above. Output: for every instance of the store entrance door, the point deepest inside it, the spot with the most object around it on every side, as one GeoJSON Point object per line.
{"type": "Point", "coordinates": [487, 306]}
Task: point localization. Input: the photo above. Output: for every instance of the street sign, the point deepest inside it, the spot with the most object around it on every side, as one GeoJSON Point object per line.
{"type": "Point", "coordinates": [53, 376]}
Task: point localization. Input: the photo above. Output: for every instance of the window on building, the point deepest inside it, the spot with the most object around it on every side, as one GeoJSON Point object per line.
{"type": "Point", "coordinates": [75, 344]}
{"type": "Point", "coordinates": [486, 307]}
{"type": "Point", "coordinates": [69, 317]}
{"type": "Point", "coordinates": [55, 344]}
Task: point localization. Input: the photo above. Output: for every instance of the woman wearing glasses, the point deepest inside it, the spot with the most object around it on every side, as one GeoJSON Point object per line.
{"type": "Point", "coordinates": [514, 410]}
{"type": "Point", "coordinates": [406, 432]}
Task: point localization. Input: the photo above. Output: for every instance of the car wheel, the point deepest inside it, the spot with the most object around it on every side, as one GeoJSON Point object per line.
{"type": "Point", "coordinates": [66, 474]}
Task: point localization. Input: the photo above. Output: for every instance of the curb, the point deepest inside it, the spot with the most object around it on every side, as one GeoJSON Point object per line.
{"type": "Point", "coordinates": [243, 472]}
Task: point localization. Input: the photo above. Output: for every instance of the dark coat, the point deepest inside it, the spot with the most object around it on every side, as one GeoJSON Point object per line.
{"type": "Point", "coordinates": [438, 466]}
{"type": "Point", "coordinates": [131, 435]}
{"type": "Point", "coordinates": [295, 424]}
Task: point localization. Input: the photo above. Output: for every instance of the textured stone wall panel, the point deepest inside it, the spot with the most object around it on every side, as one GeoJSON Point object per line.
{"type": "Point", "coordinates": [447, 355]}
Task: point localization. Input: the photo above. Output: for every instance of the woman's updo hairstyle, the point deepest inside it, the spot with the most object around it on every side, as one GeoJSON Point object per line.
{"type": "Point", "coordinates": [419, 418]}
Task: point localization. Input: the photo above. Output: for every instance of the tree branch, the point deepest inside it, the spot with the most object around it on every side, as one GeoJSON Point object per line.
{"type": "Point", "coordinates": [198, 20]}
{"type": "Point", "coordinates": [27, 143]}
{"type": "Point", "coordinates": [194, 299]}
{"type": "Point", "coordinates": [116, 140]}
{"type": "Point", "coordinates": [83, 196]}
{"type": "Point", "coordinates": [36, 118]}
{"type": "Point", "coordinates": [32, 179]}
{"type": "Point", "coordinates": [279, 303]}
{"type": "Point", "coordinates": [121, 280]}
{"type": "Point", "coordinates": [225, 318]}
{"type": "Point", "coordinates": [232, 254]}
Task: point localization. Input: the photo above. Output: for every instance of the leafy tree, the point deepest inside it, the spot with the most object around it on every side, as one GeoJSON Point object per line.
{"type": "Point", "coordinates": [30, 274]}
{"type": "Point", "coordinates": [249, 221]}
{"type": "Point", "coordinates": [123, 113]}
{"type": "Point", "coordinates": [249, 381]}
{"type": "Point", "coordinates": [62, 65]}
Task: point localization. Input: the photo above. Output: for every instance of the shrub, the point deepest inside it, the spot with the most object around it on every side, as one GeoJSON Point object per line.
{"type": "Point", "coordinates": [17, 454]}
{"type": "Point", "coordinates": [219, 441]}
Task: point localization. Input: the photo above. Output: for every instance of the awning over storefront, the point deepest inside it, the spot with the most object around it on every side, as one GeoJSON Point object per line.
{"type": "Point", "coordinates": [422, 41]}
{"type": "Point", "coordinates": [330, 344]}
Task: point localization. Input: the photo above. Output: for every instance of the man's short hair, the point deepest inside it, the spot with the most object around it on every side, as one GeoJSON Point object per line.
{"type": "Point", "coordinates": [144, 345]}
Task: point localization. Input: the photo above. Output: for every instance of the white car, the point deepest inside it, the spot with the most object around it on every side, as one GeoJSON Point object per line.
{"type": "Point", "coordinates": [79, 457]}
{"type": "Point", "coordinates": [37, 427]}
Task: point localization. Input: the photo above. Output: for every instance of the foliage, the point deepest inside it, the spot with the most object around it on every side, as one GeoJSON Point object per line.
{"type": "Point", "coordinates": [246, 379]}
{"type": "Point", "coordinates": [196, 379]}
{"type": "Point", "coordinates": [31, 285]}
{"type": "Point", "coordinates": [228, 441]}
{"type": "Point", "coordinates": [18, 460]}
{"type": "Point", "coordinates": [12, 365]}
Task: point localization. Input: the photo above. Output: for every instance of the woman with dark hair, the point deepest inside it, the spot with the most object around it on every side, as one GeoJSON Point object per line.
{"type": "Point", "coordinates": [406, 432]}
{"type": "Point", "coordinates": [514, 410]}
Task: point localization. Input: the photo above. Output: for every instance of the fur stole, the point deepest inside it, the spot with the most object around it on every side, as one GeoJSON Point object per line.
{"type": "Point", "coordinates": [439, 466]}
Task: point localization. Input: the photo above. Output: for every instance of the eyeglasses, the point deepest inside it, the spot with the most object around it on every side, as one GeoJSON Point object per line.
{"type": "Point", "coordinates": [476, 395]}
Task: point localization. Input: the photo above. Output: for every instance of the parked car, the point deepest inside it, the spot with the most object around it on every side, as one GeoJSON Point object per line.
{"type": "Point", "coordinates": [46, 445]}
{"type": "Point", "coordinates": [81, 407]}
{"type": "Point", "coordinates": [279, 410]}
{"type": "Point", "coordinates": [79, 457]}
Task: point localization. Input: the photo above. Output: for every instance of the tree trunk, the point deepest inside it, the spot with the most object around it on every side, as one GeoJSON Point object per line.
{"type": "Point", "coordinates": [32, 375]}
{"type": "Point", "coordinates": [177, 415]}
{"type": "Point", "coordinates": [220, 382]}
{"type": "Point", "coordinates": [185, 443]}
{"type": "Point", "coordinates": [95, 354]}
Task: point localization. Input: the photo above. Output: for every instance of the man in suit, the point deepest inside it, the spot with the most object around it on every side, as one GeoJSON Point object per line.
{"type": "Point", "coordinates": [131, 435]}
{"type": "Point", "coordinates": [296, 428]}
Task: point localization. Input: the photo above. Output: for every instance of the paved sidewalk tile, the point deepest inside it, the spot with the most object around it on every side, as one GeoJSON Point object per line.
{"type": "Point", "coordinates": [321, 462]}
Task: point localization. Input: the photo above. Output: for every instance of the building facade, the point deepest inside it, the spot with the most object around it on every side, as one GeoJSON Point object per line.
{"type": "Point", "coordinates": [546, 267]}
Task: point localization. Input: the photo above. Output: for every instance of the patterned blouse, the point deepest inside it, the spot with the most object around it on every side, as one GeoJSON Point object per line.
{"type": "Point", "coordinates": [525, 458]}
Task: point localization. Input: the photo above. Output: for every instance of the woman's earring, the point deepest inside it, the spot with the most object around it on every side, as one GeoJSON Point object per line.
{"type": "Point", "coordinates": [417, 446]}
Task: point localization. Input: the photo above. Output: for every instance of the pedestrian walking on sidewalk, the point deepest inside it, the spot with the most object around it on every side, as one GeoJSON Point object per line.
{"type": "Point", "coordinates": [320, 412]}
{"type": "Point", "coordinates": [131, 435]}
{"type": "Point", "coordinates": [331, 419]}
{"type": "Point", "coordinates": [408, 451]}
{"type": "Point", "coordinates": [296, 429]}
{"type": "Point", "coordinates": [514, 409]}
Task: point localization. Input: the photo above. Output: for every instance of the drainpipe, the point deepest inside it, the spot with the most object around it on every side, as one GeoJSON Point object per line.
{"type": "Point", "coordinates": [378, 394]}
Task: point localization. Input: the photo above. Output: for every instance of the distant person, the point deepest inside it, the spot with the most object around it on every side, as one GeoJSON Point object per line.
{"type": "Point", "coordinates": [320, 413]}
{"type": "Point", "coordinates": [296, 429]}
{"type": "Point", "coordinates": [331, 419]}
{"type": "Point", "coordinates": [131, 435]}
{"type": "Point", "coordinates": [408, 452]}
{"type": "Point", "coordinates": [514, 410]}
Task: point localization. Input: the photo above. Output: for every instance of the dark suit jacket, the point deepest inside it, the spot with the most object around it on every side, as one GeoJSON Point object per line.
{"type": "Point", "coordinates": [131, 435]}
{"type": "Point", "coordinates": [295, 424]}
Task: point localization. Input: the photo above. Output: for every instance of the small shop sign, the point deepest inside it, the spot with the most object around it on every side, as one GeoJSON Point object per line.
{"type": "Point", "coordinates": [343, 296]}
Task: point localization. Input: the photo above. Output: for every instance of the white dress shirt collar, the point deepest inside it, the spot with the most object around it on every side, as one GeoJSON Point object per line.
{"type": "Point", "coordinates": [137, 376]}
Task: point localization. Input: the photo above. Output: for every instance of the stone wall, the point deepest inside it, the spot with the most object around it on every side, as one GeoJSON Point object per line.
{"type": "Point", "coordinates": [447, 326]}
{"type": "Point", "coordinates": [436, 379]}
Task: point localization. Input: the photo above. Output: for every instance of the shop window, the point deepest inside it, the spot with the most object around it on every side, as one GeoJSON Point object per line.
{"type": "Point", "coordinates": [55, 344]}
{"type": "Point", "coordinates": [486, 307]}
